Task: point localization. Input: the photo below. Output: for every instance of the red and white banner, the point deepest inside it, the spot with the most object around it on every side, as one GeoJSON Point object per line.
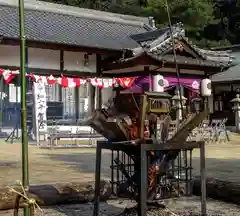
{"type": "Point", "coordinates": [67, 82]}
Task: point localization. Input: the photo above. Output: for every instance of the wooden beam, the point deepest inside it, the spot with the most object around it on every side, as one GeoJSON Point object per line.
{"type": "Point", "coordinates": [142, 61]}
{"type": "Point", "coordinates": [54, 72]}
{"type": "Point", "coordinates": [141, 73]}
{"type": "Point", "coordinates": [56, 46]}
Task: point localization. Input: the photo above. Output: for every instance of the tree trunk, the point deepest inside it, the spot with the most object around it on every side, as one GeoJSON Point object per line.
{"type": "Point", "coordinates": [55, 194]}
{"type": "Point", "coordinates": [219, 190]}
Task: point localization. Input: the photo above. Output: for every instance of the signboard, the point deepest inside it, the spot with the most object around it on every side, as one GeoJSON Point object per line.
{"type": "Point", "coordinates": [40, 107]}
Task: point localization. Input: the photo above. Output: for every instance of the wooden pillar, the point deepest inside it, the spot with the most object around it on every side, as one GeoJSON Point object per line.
{"type": "Point", "coordinates": [91, 99]}
{"type": "Point", "coordinates": [98, 90]}
{"type": "Point", "coordinates": [146, 70]}
{"type": "Point", "coordinates": [77, 103]}
{"type": "Point", "coordinates": [142, 115]}
{"type": "Point", "coordinates": [61, 69]}
{"type": "Point", "coordinates": [98, 98]}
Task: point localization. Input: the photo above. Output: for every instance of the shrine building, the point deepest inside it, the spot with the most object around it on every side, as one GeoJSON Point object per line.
{"type": "Point", "coordinates": [68, 42]}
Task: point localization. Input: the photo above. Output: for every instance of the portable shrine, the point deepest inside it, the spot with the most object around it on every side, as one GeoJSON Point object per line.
{"type": "Point", "coordinates": [147, 164]}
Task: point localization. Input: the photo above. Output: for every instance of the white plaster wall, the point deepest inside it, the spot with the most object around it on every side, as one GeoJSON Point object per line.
{"type": "Point", "coordinates": [37, 58]}
{"type": "Point", "coordinates": [9, 55]}
{"type": "Point", "coordinates": [50, 59]}
{"type": "Point", "coordinates": [47, 59]}
{"type": "Point", "coordinates": [43, 58]}
{"type": "Point", "coordinates": [74, 61]}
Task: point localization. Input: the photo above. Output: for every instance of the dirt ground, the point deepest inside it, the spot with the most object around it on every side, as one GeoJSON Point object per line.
{"type": "Point", "coordinates": [64, 165]}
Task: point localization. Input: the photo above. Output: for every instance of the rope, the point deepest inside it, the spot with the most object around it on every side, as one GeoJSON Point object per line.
{"type": "Point", "coordinates": [30, 205]}
{"type": "Point", "coordinates": [30, 202]}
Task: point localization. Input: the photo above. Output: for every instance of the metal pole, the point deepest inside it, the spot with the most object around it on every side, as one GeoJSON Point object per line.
{"type": "Point", "coordinates": [203, 181]}
{"type": "Point", "coordinates": [97, 179]}
{"type": "Point", "coordinates": [25, 171]}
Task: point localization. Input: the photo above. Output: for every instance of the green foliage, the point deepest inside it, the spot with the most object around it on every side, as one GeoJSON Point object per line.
{"type": "Point", "coordinates": [207, 23]}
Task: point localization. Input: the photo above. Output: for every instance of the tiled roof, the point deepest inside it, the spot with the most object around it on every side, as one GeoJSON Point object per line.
{"type": "Point", "coordinates": [230, 75]}
{"type": "Point", "coordinates": [188, 60]}
{"type": "Point", "coordinates": [53, 23]}
{"type": "Point", "coordinates": [161, 42]}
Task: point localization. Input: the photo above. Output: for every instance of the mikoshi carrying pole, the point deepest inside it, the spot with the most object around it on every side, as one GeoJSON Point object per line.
{"type": "Point", "coordinates": [25, 171]}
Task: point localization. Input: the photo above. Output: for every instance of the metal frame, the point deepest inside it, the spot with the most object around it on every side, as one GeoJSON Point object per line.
{"type": "Point", "coordinates": [143, 149]}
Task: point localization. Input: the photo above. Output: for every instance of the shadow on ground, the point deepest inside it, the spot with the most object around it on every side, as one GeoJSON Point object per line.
{"type": "Point", "coordinates": [87, 209]}
{"type": "Point", "coordinates": [223, 169]}
{"type": "Point", "coordinates": [8, 164]}
{"type": "Point", "coordinates": [73, 210]}
{"type": "Point", "coordinates": [85, 162]}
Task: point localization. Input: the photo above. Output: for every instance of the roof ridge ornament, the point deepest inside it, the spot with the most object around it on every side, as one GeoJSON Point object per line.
{"type": "Point", "coordinates": [152, 22]}
{"type": "Point", "coordinates": [178, 33]}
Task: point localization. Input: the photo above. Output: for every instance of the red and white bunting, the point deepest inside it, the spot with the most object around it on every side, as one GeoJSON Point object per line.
{"type": "Point", "coordinates": [103, 83]}
{"type": "Point", "coordinates": [126, 82]}
{"type": "Point", "coordinates": [67, 82]}
{"type": "Point", "coordinates": [70, 82]}
{"type": "Point", "coordinates": [51, 80]}
{"type": "Point", "coordinates": [8, 75]}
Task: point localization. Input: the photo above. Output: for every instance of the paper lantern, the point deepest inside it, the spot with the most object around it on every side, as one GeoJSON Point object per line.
{"type": "Point", "coordinates": [206, 88]}
{"type": "Point", "coordinates": [158, 83]}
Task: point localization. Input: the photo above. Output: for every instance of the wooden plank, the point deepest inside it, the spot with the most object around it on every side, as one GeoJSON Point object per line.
{"type": "Point", "coordinates": [147, 144]}
{"type": "Point", "coordinates": [187, 127]}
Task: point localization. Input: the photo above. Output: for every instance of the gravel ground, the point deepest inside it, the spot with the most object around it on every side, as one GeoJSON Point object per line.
{"type": "Point", "coordinates": [191, 207]}
{"type": "Point", "coordinates": [179, 207]}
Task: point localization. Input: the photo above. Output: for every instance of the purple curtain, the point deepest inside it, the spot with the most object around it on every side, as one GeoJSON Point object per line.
{"type": "Point", "coordinates": [192, 84]}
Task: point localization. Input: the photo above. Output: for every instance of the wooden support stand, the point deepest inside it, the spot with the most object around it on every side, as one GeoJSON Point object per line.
{"type": "Point", "coordinates": [141, 149]}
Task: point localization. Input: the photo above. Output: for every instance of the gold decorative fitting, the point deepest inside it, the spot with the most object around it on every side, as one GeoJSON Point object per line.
{"type": "Point", "coordinates": [179, 47]}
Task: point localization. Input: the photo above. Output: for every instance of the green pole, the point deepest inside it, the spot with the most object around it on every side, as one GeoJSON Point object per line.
{"type": "Point", "coordinates": [25, 171]}
{"type": "Point", "coordinates": [1, 103]}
